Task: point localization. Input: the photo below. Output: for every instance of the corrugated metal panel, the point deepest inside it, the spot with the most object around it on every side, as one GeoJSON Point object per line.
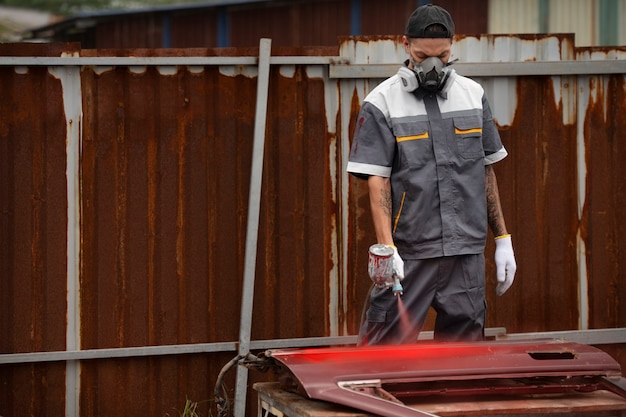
{"type": "Point", "coordinates": [195, 29]}
{"type": "Point", "coordinates": [33, 234]}
{"type": "Point", "coordinates": [298, 212]}
{"type": "Point", "coordinates": [296, 23]}
{"type": "Point", "coordinates": [575, 16]}
{"type": "Point", "coordinates": [315, 23]}
{"type": "Point", "coordinates": [287, 23]}
{"type": "Point", "coordinates": [135, 31]}
{"type": "Point", "coordinates": [540, 136]}
{"type": "Point", "coordinates": [165, 172]}
{"type": "Point", "coordinates": [389, 17]}
{"type": "Point", "coordinates": [511, 16]}
{"type": "Point", "coordinates": [537, 123]}
{"type": "Point", "coordinates": [385, 18]}
{"type": "Point", "coordinates": [470, 16]}
{"type": "Point", "coordinates": [154, 169]}
{"type": "Point", "coordinates": [595, 23]}
{"type": "Point", "coordinates": [621, 29]}
{"type": "Point", "coordinates": [168, 228]}
{"type": "Point", "coordinates": [602, 194]}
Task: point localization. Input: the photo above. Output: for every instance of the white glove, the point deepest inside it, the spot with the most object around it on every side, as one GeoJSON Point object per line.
{"type": "Point", "coordinates": [398, 264]}
{"type": "Point", "coordinates": [505, 263]}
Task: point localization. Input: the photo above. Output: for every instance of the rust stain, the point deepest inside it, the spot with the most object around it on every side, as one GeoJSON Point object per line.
{"type": "Point", "coordinates": [602, 220]}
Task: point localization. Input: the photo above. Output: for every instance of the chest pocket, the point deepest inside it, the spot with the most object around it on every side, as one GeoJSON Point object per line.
{"type": "Point", "coordinates": [469, 132]}
{"type": "Point", "coordinates": [414, 144]}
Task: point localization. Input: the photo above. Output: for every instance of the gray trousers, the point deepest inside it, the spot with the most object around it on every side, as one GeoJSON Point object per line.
{"type": "Point", "coordinates": [454, 286]}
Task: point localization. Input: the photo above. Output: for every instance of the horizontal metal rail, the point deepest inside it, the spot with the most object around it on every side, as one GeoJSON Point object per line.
{"type": "Point", "coordinates": [491, 69]}
{"type": "Point", "coordinates": [165, 61]}
{"type": "Point", "coordinates": [29, 357]}
{"type": "Point", "coordinates": [339, 67]}
{"type": "Point", "coordinates": [590, 337]}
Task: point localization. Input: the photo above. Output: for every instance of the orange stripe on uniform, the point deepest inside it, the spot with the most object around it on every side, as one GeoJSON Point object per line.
{"type": "Point", "coordinates": [465, 132]}
{"type": "Point", "coordinates": [414, 137]}
{"type": "Point", "coordinates": [395, 222]}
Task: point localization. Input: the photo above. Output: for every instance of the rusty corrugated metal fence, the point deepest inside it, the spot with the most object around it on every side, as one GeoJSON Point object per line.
{"type": "Point", "coordinates": [124, 202]}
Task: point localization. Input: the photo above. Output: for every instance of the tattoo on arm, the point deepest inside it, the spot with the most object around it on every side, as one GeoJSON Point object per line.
{"type": "Point", "coordinates": [385, 201]}
{"type": "Point", "coordinates": [494, 210]}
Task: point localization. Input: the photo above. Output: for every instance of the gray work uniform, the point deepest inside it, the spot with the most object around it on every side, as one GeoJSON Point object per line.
{"type": "Point", "coordinates": [434, 148]}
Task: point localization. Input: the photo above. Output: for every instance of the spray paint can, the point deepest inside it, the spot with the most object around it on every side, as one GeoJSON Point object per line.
{"type": "Point", "coordinates": [380, 265]}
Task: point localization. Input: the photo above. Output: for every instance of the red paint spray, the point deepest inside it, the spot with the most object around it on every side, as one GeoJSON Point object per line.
{"type": "Point", "coordinates": [405, 322]}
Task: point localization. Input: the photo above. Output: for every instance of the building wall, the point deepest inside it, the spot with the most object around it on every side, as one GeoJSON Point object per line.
{"type": "Point", "coordinates": [322, 23]}
{"type": "Point", "coordinates": [287, 23]}
{"type": "Point", "coordinates": [594, 23]}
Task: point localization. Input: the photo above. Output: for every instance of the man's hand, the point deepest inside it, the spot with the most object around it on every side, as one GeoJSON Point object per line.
{"type": "Point", "coordinates": [505, 263]}
{"type": "Point", "coordinates": [398, 264]}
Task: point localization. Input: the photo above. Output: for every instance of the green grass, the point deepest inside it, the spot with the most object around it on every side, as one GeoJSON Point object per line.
{"type": "Point", "coordinates": [191, 409]}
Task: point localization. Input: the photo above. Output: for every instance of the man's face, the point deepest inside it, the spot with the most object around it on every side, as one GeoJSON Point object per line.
{"type": "Point", "coordinates": [421, 48]}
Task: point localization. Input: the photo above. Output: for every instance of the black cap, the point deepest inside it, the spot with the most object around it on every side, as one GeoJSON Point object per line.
{"type": "Point", "coordinates": [425, 16]}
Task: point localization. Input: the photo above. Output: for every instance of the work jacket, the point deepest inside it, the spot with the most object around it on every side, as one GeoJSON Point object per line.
{"type": "Point", "coordinates": [434, 148]}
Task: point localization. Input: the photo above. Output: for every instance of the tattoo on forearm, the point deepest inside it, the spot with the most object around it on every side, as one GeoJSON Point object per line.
{"type": "Point", "coordinates": [494, 210]}
{"type": "Point", "coordinates": [385, 201]}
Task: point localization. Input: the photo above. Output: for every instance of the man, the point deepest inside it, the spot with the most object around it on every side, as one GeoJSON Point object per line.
{"type": "Point", "coordinates": [425, 141]}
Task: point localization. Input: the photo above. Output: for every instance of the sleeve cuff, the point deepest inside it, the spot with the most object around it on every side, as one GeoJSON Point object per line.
{"type": "Point", "coordinates": [496, 156]}
{"type": "Point", "coordinates": [359, 168]}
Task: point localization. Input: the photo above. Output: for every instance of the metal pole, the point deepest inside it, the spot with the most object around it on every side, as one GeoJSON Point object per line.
{"type": "Point", "coordinates": [254, 205]}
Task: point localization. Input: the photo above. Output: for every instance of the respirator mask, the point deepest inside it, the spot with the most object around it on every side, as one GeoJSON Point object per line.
{"type": "Point", "coordinates": [430, 74]}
